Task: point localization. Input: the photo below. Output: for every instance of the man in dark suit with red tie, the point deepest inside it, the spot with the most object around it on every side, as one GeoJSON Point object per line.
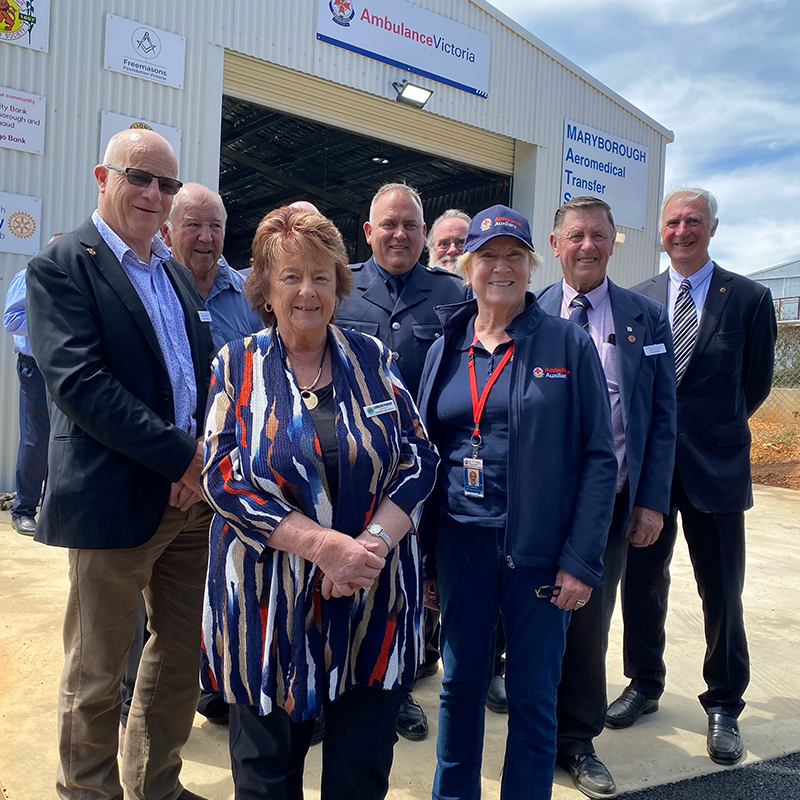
{"type": "Point", "coordinates": [724, 333]}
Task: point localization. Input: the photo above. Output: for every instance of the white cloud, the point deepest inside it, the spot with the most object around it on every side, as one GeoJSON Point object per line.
{"type": "Point", "coordinates": [723, 77]}
{"type": "Point", "coordinates": [660, 11]}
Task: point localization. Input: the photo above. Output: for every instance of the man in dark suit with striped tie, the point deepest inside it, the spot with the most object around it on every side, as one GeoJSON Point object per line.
{"type": "Point", "coordinates": [724, 334]}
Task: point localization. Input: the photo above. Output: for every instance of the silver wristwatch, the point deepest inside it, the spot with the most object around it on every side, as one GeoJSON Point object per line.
{"type": "Point", "coordinates": [377, 530]}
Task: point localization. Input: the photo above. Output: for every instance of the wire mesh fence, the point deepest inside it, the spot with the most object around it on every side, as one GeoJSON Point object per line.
{"type": "Point", "coordinates": [776, 425]}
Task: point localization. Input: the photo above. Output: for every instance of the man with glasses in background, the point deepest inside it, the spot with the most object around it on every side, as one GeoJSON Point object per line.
{"type": "Point", "coordinates": [122, 339]}
{"type": "Point", "coordinates": [445, 242]}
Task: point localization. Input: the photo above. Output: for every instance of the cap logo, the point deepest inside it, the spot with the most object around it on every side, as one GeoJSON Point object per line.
{"type": "Point", "coordinates": [486, 224]}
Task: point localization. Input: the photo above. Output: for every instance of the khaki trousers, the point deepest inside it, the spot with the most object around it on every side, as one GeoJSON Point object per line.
{"type": "Point", "coordinates": [99, 626]}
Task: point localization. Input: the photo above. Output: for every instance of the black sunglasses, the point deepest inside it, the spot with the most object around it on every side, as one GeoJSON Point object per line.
{"type": "Point", "coordinates": [142, 179]}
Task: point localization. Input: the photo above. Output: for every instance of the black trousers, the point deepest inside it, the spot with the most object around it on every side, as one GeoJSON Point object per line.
{"type": "Point", "coordinates": [582, 700]}
{"type": "Point", "coordinates": [268, 752]}
{"type": "Point", "coordinates": [717, 550]}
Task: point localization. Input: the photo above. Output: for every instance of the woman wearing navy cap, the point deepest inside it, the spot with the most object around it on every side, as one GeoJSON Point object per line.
{"type": "Point", "coordinates": [517, 404]}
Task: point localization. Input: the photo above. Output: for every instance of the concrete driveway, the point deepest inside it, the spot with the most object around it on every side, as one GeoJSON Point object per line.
{"type": "Point", "coordinates": [660, 748]}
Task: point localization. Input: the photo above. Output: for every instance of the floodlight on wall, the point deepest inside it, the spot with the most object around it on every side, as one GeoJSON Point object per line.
{"type": "Point", "coordinates": [411, 95]}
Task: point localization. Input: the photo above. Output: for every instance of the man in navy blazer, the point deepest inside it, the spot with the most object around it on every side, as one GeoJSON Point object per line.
{"type": "Point", "coordinates": [633, 339]}
{"type": "Point", "coordinates": [122, 339]}
{"type": "Point", "coordinates": [725, 330]}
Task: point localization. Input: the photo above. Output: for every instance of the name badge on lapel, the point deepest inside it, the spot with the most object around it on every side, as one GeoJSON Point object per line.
{"type": "Point", "coordinates": [204, 315]}
{"type": "Point", "coordinates": [655, 349]}
{"type": "Point", "coordinates": [380, 408]}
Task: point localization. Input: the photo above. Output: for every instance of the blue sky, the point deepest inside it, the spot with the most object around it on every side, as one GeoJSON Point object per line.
{"type": "Point", "coordinates": [725, 78]}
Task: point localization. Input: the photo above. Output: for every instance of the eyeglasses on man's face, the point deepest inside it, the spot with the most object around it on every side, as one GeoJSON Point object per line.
{"type": "Point", "coordinates": [142, 179]}
{"type": "Point", "coordinates": [446, 244]}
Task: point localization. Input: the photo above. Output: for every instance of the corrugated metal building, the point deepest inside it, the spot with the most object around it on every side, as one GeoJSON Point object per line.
{"type": "Point", "coordinates": [783, 280]}
{"type": "Point", "coordinates": [267, 54]}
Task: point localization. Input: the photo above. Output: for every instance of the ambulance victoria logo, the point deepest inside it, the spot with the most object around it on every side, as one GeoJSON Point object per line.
{"type": "Point", "coordinates": [342, 11]}
{"type": "Point", "coordinates": [486, 224]}
{"type": "Point", "coordinates": [538, 372]}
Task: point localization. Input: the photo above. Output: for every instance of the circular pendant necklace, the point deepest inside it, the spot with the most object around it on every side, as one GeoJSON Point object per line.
{"type": "Point", "coordinates": [306, 392]}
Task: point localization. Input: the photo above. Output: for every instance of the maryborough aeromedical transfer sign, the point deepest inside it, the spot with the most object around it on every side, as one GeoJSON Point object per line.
{"type": "Point", "coordinates": [410, 38]}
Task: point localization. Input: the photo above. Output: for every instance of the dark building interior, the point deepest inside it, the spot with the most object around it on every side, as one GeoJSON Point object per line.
{"type": "Point", "coordinates": [269, 159]}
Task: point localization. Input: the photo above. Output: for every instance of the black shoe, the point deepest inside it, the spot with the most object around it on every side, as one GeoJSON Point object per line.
{"type": "Point", "coordinates": [628, 707]}
{"type": "Point", "coordinates": [496, 699]}
{"type": "Point", "coordinates": [723, 740]}
{"type": "Point", "coordinates": [24, 525]}
{"type": "Point", "coordinates": [187, 795]}
{"type": "Point", "coordinates": [427, 670]}
{"type": "Point", "coordinates": [589, 774]}
{"type": "Point", "coordinates": [319, 729]}
{"type": "Point", "coordinates": [411, 721]}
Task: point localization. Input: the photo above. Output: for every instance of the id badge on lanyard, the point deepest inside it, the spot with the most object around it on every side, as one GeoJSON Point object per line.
{"type": "Point", "coordinates": [473, 467]}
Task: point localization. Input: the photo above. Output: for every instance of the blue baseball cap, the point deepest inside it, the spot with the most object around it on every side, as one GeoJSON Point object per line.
{"type": "Point", "coordinates": [497, 221]}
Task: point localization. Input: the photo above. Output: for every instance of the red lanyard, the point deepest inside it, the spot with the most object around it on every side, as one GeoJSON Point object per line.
{"type": "Point", "coordinates": [478, 404]}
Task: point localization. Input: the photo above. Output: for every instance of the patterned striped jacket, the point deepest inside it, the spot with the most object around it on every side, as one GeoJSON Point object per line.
{"type": "Point", "coordinates": [268, 635]}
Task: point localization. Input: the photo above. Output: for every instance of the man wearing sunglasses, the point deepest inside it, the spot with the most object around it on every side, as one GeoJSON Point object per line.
{"type": "Point", "coordinates": [123, 341]}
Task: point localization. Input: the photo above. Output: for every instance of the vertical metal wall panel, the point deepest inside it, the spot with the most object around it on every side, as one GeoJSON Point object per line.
{"type": "Point", "coordinates": [531, 90]}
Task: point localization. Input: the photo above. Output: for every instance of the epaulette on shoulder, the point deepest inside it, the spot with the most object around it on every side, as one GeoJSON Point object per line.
{"type": "Point", "coordinates": [357, 267]}
{"type": "Point", "coordinates": [440, 271]}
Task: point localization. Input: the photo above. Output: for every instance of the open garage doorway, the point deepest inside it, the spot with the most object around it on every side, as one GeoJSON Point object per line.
{"type": "Point", "coordinates": [269, 159]}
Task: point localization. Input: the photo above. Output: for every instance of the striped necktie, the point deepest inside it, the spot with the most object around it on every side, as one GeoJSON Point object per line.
{"type": "Point", "coordinates": [684, 328]}
{"type": "Point", "coordinates": [580, 305]}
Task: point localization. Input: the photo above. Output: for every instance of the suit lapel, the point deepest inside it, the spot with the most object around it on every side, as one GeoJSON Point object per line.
{"type": "Point", "coordinates": [719, 291]}
{"type": "Point", "coordinates": [550, 300]}
{"type": "Point", "coordinates": [629, 353]}
{"type": "Point", "coordinates": [658, 288]}
{"type": "Point", "coordinates": [107, 264]}
{"type": "Point", "coordinates": [375, 289]}
{"type": "Point", "coordinates": [415, 290]}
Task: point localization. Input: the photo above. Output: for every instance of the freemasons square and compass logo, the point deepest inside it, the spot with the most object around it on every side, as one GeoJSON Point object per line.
{"type": "Point", "coordinates": [145, 42]}
{"type": "Point", "coordinates": [342, 11]}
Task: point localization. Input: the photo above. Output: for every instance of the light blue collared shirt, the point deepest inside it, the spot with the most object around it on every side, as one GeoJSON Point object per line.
{"type": "Point", "coordinates": [165, 311]}
{"type": "Point", "coordinates": [700, 281]}
{"type": "Point", "coordinates": [231, 315]}
{"type": "Point", "coordinates": [14, 314]}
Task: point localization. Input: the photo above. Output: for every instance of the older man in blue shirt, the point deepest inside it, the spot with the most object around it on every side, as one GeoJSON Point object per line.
{"type": "Point", "coordinates": [195, 232]}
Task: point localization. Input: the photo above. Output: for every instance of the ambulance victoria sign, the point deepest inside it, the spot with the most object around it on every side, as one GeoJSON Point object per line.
{"type": "Point", "coordinates": [599, 164]}
{"type": "Point", "coordinates": [410, 38]}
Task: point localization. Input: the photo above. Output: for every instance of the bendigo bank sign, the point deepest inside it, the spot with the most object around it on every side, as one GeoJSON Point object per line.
{"type": "Point", "coordinates": [410, 38]}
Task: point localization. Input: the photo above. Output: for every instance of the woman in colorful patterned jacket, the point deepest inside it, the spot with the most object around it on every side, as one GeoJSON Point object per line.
{"type": "Point", "coordinates": [317, 466]}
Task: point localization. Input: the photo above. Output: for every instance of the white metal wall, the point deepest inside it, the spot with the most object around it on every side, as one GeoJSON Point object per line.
{"type": "Point", "coordinates": [531, 90]}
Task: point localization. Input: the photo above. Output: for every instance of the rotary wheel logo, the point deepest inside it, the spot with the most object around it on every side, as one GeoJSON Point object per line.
{"type": "Point", "coordinates": [22, 225]}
